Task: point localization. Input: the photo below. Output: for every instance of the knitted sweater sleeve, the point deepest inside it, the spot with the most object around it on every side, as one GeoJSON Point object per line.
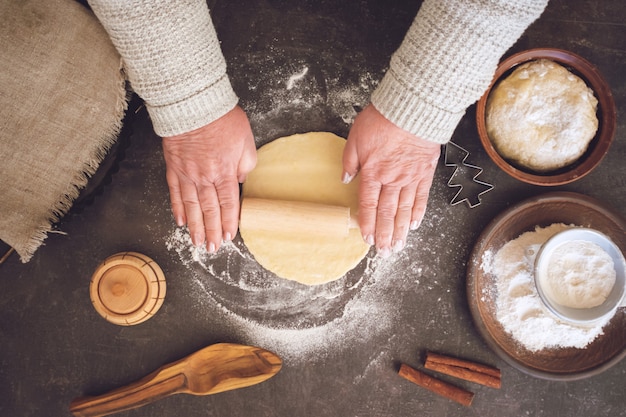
{"type": "Point", "coordinates": [172, 58]}
{"type": "Point", "coordinates": [447, 60]}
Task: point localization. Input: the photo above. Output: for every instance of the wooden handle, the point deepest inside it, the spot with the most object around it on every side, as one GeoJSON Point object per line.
{"type": "Point", "coordinates": [295, 217]}
{"type": "Point", "coordinates": [216, 368]}
{"type": "Point", "coordinates": [155, 386]}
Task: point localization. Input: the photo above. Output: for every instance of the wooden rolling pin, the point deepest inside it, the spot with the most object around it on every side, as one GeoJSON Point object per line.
{"type": "Point", "coordinates": [295, 217]}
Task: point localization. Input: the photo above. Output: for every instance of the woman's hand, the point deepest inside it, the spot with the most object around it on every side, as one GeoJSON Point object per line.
{"type": "Point", "coordinates": [396, 171]}
{"type": "Point", "coordinates": [204, 168]}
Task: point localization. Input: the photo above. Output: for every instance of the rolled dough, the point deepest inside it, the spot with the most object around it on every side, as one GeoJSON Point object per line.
{"type": "Point", "coordinates": [305, 167]}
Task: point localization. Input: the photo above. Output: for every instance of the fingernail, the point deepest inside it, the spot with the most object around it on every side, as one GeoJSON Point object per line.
{"type": "Point", "coordinates": [398, 245]}
{"type": "Point", "coordinates": [227, 237]}
{"type": "Point", "coordinates": [211, 247]}
{"type": "Point", "coordinates": [179, 221]}
{"type": "Point", "coordinates": [197, 240]}
{"type": "Point", "coordinates": [369, 239]}
{"type": "Point", "coordinates": [384, 253]}
{"type": "Point", "coordinates": [415, 224]}
{"type": "Point", "coordinates": [347, 178]}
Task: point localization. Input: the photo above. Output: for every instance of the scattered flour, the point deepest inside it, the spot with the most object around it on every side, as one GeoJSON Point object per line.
{"type": "Point", "coordinates": [351, 311]}
{"type": "Point", "coordinates": [518, 306]}
{"type": "Point", "coordinates": [296, 77]}
{"type": "Point", "coordinates": [304, 90]}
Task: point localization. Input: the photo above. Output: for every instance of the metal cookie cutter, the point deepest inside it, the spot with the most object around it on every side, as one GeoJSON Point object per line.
{"type": "Point", "coordinates": [464, 177]}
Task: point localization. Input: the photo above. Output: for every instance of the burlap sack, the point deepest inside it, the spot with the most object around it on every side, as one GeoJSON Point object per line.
{"type": "Point", "coordinates": [62, 99]}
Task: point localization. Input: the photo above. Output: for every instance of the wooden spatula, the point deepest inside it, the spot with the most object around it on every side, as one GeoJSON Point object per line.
{"type": "Point", "coordinates": [216, 368]}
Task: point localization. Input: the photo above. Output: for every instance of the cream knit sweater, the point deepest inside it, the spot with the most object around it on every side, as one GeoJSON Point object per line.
{"type": "Point", "coordinates": [173, 60]}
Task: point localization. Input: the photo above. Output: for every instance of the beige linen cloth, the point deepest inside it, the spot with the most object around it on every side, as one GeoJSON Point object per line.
{"type": "Point", "coordinates": [62, 100]}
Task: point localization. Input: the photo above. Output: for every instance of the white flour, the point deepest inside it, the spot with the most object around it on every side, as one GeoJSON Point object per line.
{"type": "Point", "coordinates": [304, 90]}
{"type": "Point", "coordinates": [519, 308]}
{"type": "Point", "coordinates": [365, 313]}
{"type": "Point", "coordinates": [582, 275]}
{"type": "Point", "coordinates": [296, 77]}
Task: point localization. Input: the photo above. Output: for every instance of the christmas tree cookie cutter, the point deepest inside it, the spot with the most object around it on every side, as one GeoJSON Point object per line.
{"type": "Point", "coordinates": [464, 177]}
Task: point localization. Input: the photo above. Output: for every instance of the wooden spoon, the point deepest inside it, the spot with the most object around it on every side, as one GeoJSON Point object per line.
{"type": "Point", "coordinates": [216, 368]}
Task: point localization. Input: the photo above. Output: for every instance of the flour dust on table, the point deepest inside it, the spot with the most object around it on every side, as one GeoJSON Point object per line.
{"type": "Point", "coordinates": [239, 284]}
{"type": "Point", "coordinates": [296, 321]}
{"type": "Point", "coordinates": [296, 96]}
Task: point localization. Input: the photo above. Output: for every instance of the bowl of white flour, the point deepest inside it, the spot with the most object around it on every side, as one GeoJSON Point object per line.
{"type": "Point", "coordinates": [580, 276]}
{"type": "Point", "coordinates": [503, 297]}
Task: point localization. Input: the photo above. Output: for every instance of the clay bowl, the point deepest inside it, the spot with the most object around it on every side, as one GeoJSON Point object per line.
{"type": "Point", "coordinates": [554, 363]}
{"type": "Point", "coordinates": [598, 147]}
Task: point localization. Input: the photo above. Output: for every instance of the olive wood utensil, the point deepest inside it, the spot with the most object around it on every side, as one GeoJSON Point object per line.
{"type": "Point", "coordinates": [216, 368]}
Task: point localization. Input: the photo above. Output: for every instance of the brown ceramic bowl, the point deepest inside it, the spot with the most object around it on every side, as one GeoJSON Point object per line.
{"type": "Point", "coordinates": [562, 364]}
{"type": "Point", "coordinates": [599, 145]}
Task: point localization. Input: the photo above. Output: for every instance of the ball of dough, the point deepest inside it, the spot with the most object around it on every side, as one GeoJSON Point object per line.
{"type": "Point", "coordinates": [542, 116]}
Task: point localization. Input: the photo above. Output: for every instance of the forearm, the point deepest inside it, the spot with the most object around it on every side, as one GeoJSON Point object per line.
{"type": "Point", "coordinates": [172, 58]}
{"type": "Point", "coordinates": [447, 60]}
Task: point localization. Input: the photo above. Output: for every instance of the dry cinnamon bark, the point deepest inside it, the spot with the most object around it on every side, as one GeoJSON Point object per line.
{"type": "Point", "coordinates": [437, 386]}
{"type": "Point", "coordinates": [464, 369]}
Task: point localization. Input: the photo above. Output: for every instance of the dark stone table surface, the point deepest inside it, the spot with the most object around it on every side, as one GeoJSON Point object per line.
{"type": "Point", "coordinates": [298, 66]}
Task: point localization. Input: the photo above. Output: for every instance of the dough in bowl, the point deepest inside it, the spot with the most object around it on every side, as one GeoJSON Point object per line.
{"type": "Point", "coordinates": [305, 168]}
{"type": "Point", "coordinates": [541, 116]}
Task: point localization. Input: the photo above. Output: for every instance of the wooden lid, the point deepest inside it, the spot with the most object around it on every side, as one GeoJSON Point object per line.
{"type": "Point", "coordinates": [127, 288]}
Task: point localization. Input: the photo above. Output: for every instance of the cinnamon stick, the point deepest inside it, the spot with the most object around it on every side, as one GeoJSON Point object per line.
{"type": "Point", "coordinates": [464, 369]}
{"type": "Point", "coordinates": [437, 386]}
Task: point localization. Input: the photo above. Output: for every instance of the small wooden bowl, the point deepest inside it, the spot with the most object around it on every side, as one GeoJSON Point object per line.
{"type": "Point", "coordinates": [127, 288]}
{"type": "Point", "coordinates": [599, 145]}
{"type": "Point", "coordinates": [543, 210]}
